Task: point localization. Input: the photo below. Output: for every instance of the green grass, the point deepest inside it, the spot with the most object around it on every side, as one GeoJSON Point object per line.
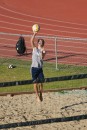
{"type": "Point", "coordinates": [22, 72]}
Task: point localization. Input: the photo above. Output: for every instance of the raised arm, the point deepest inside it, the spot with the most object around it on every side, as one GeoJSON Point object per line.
{"type": "Point", "coordinates": [32, 40]}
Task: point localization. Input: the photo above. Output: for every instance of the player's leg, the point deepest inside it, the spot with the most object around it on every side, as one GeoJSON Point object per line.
{"type": "Point", "coordinates": [41, 91]}
{"type": "Point", "coordinates": [40, 85]}
{"type": "Point", "coordinates": [36, 91]}
{"type": "Point", "coordinates": [34, 72]}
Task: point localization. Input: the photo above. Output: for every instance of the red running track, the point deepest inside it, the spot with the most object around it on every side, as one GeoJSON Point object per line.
{"type": "Point", "coordinates": [56, 18]}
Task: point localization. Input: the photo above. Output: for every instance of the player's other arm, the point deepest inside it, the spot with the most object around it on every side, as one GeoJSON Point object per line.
{"type": "Point", "coordinates": [32, 40]}
{"type": "Point", "coordinates": [43, 53]}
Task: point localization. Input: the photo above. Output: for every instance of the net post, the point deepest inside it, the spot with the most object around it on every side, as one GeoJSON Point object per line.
{"type": "Point", "coordinates": [56, 54]}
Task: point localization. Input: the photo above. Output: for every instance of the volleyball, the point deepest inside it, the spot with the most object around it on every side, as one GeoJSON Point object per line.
{"type": "Point", "coordinates": [35, 28]}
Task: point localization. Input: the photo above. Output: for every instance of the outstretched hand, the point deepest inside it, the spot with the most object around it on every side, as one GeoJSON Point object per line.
{"type": "Point", "coordinates": [35, 33]}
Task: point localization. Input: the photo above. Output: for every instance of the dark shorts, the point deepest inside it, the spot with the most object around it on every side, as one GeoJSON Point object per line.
{"type": "Point", "coordinates": [37, 75]}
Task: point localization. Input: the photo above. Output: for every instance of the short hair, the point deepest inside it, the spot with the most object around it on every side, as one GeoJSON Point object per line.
{"type": "Point", "coordinates": [43, 42]}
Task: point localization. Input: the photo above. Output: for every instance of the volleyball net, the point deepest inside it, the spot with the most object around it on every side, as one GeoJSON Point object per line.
{"type": "Point", "coordinates": [43, 122]}
{"type": "Point", "coordinates": [51, 79]}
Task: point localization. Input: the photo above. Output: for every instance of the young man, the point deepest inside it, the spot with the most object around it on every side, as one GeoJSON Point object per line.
{"type": "Point", "coordinates": [37, 65]}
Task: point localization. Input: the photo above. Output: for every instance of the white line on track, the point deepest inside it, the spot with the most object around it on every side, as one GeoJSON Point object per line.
{"type": "Point", "coordinates": [28, 15]}
{"type": "Point", "coordinates": [72, 47]}
{"type": "Point", "coordinates": [78, 53]}
{"type": "Point", "coordinates": [45, 29]}
{"type": "Point", "coordinates": [54, 25]}
{"type": "Point", "coordinates": [15, 29]}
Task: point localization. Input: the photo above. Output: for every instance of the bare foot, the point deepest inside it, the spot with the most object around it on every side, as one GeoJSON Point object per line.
{"type": "Point", "coordinates": [41, 98]}
{"type": "Point", "coordinates": [38, 99]}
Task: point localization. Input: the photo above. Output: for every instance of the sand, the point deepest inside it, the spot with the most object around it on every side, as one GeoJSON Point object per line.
{"type": "Point", "coordinates": [25, 108]}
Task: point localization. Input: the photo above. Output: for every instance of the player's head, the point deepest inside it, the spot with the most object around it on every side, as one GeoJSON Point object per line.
{"type": "Point", "coordinates": [41, 42]}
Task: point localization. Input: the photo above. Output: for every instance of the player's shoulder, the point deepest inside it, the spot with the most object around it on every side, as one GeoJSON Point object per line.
{"type": "Point", "coordinates": [35, 48]}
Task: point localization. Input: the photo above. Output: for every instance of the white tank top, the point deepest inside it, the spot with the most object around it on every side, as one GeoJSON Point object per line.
{"type": "Point", "coordinates": [37, 58]}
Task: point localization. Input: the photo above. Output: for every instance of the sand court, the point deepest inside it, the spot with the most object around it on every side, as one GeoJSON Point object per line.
{"type": "Point", "coordinates": [56, 105]}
